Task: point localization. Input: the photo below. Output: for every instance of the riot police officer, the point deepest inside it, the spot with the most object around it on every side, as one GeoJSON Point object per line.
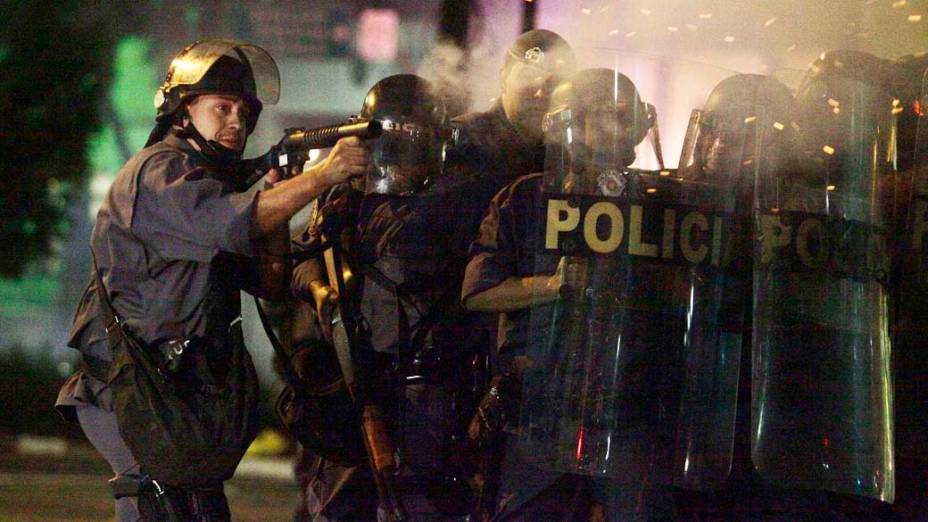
{"type": "Point", "coordinates": [593, 125]}
{"type": "Point", "coordinates": [174, 243]}
{"type": "Point", "coordinates": [910, 400]}
{"type": "Point", "coordinates": [822, 383]}
{"type": "Point", "coordinates": [505, 142]}
{"type": "Point", "coordinates": [404, 232]}
{"type": "Point", "coordinates": [731, 140]}
{"type": "Point", "coordinates": [500, 145]}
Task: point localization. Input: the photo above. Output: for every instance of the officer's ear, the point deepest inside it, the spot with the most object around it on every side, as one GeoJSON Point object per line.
{"type": "Point", "coordinates": [184, 112]}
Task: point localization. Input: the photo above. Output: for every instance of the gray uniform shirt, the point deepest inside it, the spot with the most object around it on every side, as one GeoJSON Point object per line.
{"type": "Point", "coordinates": [172, 240]}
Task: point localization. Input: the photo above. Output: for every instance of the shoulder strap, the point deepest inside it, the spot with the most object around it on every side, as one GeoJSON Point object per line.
{"type": "Point", "coordinates": [290, 373]}
{"type": "Point", "coordinates": [110, 318]}
{"type": "Point", "coordinates": [95, 366]}
{"type": "Point", "coordinates": [401, 293]}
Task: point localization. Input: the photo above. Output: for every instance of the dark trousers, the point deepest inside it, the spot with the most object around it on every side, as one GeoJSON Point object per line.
{"type": "Point", "coordinates": [100, 427]}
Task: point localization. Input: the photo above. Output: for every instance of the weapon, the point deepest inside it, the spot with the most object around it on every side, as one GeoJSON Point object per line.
{"type": "Point", "coordinates": [348, 337]}
{"type": "Point", "coordinates": [293, 149]}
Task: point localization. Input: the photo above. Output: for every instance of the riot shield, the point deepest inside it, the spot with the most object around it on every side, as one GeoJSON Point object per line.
{"type": "Point", "coordinates": [634, 367]}
{"type": "Point", "coordinates": [910, 363]}
{"type": "Point", "coordinates": [822, 388]}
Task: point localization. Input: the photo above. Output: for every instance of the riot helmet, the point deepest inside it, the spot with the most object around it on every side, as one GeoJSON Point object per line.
{"type": "Point", "coordinates": [215, 67]}
{"type": "Point", "coordinates": [844, 116]}
{"type": "Point", "coordinates": [536, 63]}
{"type": "Point", "coordinates": [595, 121]}
{"type": "Point", "coordinates": [542, 48]}
{"type": "Point", "coordinates": [721, 139]}
{"type": "Point", "coordinates": [912, 88]}
{"type": "Point", "coordinates": [410, 150]}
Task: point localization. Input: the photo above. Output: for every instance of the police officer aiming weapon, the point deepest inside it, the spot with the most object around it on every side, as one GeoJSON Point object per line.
{"type": "Point", "coordinates": [177, 429]}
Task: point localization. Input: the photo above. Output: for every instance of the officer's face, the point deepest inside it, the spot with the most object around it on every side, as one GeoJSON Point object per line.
{"type": "Point", "coordinates": [400, 161]}
{"type": "Point", "coordinates": [722, 147]}
{"type": "Point", "coordinates": [608, 135]}
{"type": "Point", "coordinates": [221, 118]}
{"type": "Point", "coordinates": [526, 90]}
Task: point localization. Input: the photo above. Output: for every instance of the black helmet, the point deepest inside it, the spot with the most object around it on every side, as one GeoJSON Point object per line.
{"type": "Point", "coordinates": [912, 82]}
{"type": "Point", "coordinates": [745, 92]}
{"type": "Point", "coordinates": [217, 67]}
{"type": "Point", "coordinates": [845, 96]}
{"type": "Point", "coordinates": [596, 91]}
{"type": "Point", "coordinates": [731, 114]}
{"type": "Point", "coordinates": [603, 89]}
{"type": "Point", "coordinates": [844, 115]}
{"type": "Point", "coordinates": [852, 65]}
{"type": "Point", "coordinates": [410, 149]}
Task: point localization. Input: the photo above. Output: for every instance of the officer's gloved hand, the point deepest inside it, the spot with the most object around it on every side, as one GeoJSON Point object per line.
{"type": "Point", "coordinates": [326, 299]}
{"type": "Point", "coordinates": [500, 404]}
{"type": "Point", "coordinates": [569, 279]}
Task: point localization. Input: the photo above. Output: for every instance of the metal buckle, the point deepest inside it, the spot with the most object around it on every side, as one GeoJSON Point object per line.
{"type": "Point", "coordinates": [114, 323]}
{"type": "Point", "coordinates": [159, 489]}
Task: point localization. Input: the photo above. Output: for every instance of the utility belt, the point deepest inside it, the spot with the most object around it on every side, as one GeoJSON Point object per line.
{"type": "Point", "coordinates": [175, 354]}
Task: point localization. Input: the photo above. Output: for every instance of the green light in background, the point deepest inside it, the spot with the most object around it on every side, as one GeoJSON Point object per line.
{"type": "Point", "coordinates": [103, 152]}
{"type": "Point", "coordinates": [134, 83]}
{"type": "Point", "coordinates": [135, 80]}
{"type": "Point", "coordinates": [28, 294]}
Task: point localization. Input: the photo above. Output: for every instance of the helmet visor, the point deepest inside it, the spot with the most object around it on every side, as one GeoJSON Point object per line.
{"type": "Point", "coordinates": [587, 152]}
{"type": "Point", "coordinates": [402, 159]}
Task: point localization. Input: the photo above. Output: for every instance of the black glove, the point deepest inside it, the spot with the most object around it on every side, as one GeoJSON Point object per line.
{"type": "Point", "coordinates": [499, 406]}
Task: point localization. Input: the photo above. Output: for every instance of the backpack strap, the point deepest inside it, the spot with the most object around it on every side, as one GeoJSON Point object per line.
{"type": "Point", "coordinates": [286, 364]}
{"type": "Point", "coordinates": [111, 322]}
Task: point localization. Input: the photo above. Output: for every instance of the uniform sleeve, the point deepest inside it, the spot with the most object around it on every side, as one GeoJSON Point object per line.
{"type": "Point", "coordinates": [465, 213]}
{"type": "Point", "coordinates": [183, 212]}
{"type": "Point", "coordinates": [493, 255]}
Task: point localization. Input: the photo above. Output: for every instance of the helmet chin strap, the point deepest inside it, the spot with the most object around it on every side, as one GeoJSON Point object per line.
{"type": "Point", "coordinates": [214, 151]}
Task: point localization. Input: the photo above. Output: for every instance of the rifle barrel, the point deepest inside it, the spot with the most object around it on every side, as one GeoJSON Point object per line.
{"type": "Point", "coordinates": [324, 137]}
{"type": "Point", "coordinates": [299, 141]}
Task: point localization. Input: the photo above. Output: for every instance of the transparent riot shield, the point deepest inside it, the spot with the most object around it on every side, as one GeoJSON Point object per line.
{"type": "Point", "coordinates": [822, 387]}
{"type": "Point", "coordinates": [634, 365]}
{"type": "Point", "coordinates": [910, 359]}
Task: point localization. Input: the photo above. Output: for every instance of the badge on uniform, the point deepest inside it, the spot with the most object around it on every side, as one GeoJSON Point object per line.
{"type": "Point", "coordinates": [611, 182]}
{"type": "Point", "coordinates": [534, 55]}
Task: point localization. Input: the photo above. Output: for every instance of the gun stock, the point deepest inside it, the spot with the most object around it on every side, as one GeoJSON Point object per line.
{"type": "Point", "coordinates": [380, 448]}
